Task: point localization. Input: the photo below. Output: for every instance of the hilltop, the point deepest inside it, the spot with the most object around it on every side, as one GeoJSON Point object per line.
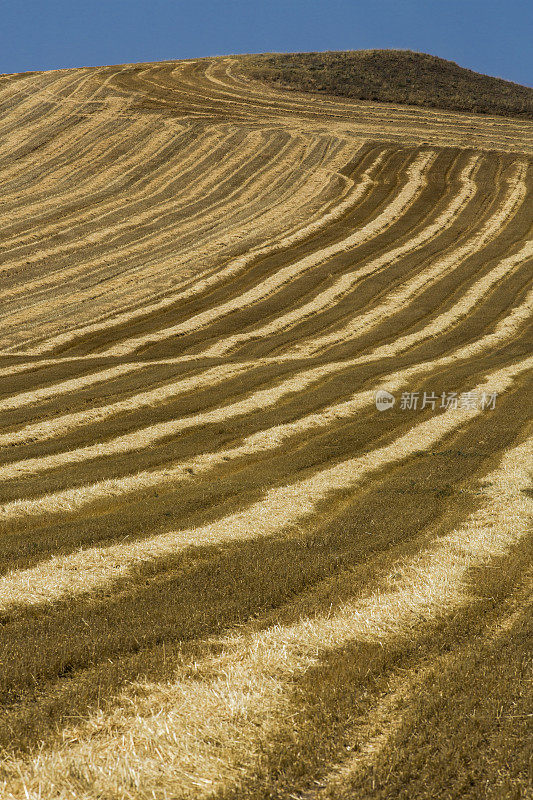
{"type": "Point", "coordinates": [395, 76]}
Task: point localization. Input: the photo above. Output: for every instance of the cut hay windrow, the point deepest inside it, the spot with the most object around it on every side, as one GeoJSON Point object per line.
{"type": "Point", "coordinates": [88, 240]}
{"type": "Point", "coordinates": [220, 563]}
{"type": "Point", "coordinates": [234, 77]}
{"type": "Point", "coordinates": [203, 283]}
{"type": "Point", "coordinates": [64, 387]}
{"type": "Point", "coordinates": [250, 150]}
{"type": "Point", "coordinates": [258, 400]}
{"type": "Point", "coordinates": [124, 168]}
{"type": "Point", "coordinates": [390, 715]}
{"type": "Point", "coordinates": [81, 139]}
{"type": "Point", "coordinates": [242, 690]}
{"type": "Point", "coordinates": [140, 439]}
{"type": "Point", "coordinates": [439, 325]}
{"type": "Point", "coordinates": [21, 366]}
{"type": "Point", "coordinates": [416, 179]}
{"type": "Point", "coordinates": [194, 141]}
{"type": "Point", "coordinates": [94, 187]}
{"type": "Point", "coordinates": [383, 119]}
{"type": "Point", "coordinates": [459, 310]}
{"type": "Point", "coordinates": [16, 119]}
{"type": "Point", "coordinates": [317, 186]}
{"type": "Point", "coordinates": [60, 425]}
{"type": "Point", "coordinates": [243, 147]}
{"type": "Point", "coordinates": [344, 284]}
{"type": "Point", "coordinates": [12, 92]}
{"type": "Point", "coordinates": [71, 500]}
{"type": "Point", "coordinates": [96, 178]}
{"type": "Point", "coordinates": [404, 294]}
{"type": "Point", "coordinates": [272, 216]}
{"type": "Point", "coordinates": [127, 183]}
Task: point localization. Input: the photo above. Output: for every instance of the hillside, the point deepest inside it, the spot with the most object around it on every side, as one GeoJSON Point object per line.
{"type": "Point", "coordinates": [225, 572]}
{"type": "Point", "coordinates": [395, 76]}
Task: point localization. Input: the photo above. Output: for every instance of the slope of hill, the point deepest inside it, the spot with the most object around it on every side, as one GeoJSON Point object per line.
{"type": "Point", "coordinates": [395, 76]}
{"type": "Point", "coordinates": [224, 572]}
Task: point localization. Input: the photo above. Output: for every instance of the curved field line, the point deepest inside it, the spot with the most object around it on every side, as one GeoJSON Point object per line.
{"type": "Point", "coordinates": [15, 119]}
{"type": "Point", "coordinates": [49, 161]}
{"type": "Point", "coordinates": [158, 139]}
{"type": "Point", "coordinates": [300, 102]}
{"type": "Point", "coordinates": [187, 211]}
{"type": "Point", "coordinates": [58, 426]}
{"type": "Point", "coordinates": [257, 90]}
{"type": "Point", "coordinates": [116, 174]}
{"type": "Point", "coordinates": [250, 151]}
{"type": "Point", "coordinates": [416, 180]}
{"type": "Point", "coordinates": [264, 440]}
{"type": "Point", "coordinates": [69, 129]}
{"type": "Point", "coordinates": [64, 387]}
{"type": "Point", "coordinates": [124, 170]}
{"type": "Point", "coordinates": [244, 687]}
{"type": "Point", "coordinates": [319, 181]}
{"type": "Point", "coordinates": [77, 141]}
{"type": "Point", "coordinates": [411, 125]}
{"type": "Point", "coordinates": [232, 269]}
{"type": "Point", "coordinates": [397, 299]}
{"type": "Point", "coordinates": [343, 284]}
{"type": "Point", "coordinates": [438, 326]}
{"type": "Point", "coordinates": [280, 508]}
{"type": "Point", "coordinates": [207, 180]}
{"type": "Point", "coordinates": [92, 238]}
{"type": "Point", "coordinates": [62, 424]}
{"type": "Point", "coordinates": [459, 310]}
{"type": "Point", "coordinates": [63, 273]}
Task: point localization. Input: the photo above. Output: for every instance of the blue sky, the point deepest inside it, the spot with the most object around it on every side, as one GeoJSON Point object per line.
{"type": "Point", "coordinates": [492, 36]}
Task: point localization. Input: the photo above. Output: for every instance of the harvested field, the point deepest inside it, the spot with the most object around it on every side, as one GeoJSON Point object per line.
{"type": "Point", "coordinates": [224, 572]}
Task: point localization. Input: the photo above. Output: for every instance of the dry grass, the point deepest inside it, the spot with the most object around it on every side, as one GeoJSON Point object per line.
{"type": "Point", "coordinates": [240, 694]}
{"type": "Point", "coordinates": [223, 572]}
{"type": "Point", "coordinates": [397, 76]}
{"type": "Point", "coordinates": [409, 291]}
